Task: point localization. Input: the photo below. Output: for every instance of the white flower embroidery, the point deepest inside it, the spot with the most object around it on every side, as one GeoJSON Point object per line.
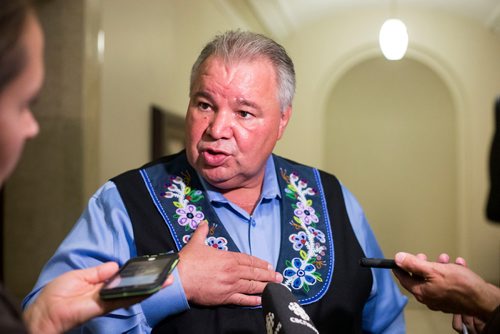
{"type": "Point", "coordinates": [301, 272]}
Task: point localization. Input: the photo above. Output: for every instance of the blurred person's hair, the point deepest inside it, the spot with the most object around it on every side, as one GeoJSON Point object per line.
{"type": "Point", "coordinates": [13, 14]}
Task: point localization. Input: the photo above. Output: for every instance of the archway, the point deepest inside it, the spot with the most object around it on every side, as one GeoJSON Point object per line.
{"type": "Point", "coordinates": [391, 134]}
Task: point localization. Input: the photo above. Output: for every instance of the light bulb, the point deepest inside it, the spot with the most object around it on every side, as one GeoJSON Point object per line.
{"type": "Point", "coordinates": [393, 39]}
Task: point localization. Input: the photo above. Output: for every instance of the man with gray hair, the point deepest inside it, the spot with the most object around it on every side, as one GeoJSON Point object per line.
{"type": "Point", "coordinates": [239, 215]}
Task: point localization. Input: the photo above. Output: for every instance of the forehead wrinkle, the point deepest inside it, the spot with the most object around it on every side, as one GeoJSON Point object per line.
{"type": "Point", "coordinates": [231, 74]}
{"type": "Point", "coordinates": [219, 77]}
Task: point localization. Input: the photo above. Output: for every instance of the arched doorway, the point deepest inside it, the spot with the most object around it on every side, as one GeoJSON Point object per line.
{"type": "Point", "coordinates": [391, 138]}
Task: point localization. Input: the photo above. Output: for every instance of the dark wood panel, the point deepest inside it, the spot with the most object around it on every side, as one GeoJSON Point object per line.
{"type": "Point", "coordinates": [167, 132]}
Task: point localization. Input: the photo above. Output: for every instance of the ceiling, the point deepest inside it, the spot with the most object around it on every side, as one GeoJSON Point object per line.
{"type": "Point", "coordinates": [281, 17]}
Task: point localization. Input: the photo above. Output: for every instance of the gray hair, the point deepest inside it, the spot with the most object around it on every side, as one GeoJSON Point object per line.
{"type": "Point", "coordinates": [237, 45]}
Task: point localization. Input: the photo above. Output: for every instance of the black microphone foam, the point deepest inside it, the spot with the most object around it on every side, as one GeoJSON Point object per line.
{"type": "Point", "coordinates": [283, 313]}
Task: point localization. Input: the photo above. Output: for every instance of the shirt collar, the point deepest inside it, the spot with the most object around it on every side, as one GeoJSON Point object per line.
{"type": "Point", "coordinates": [270, 189]}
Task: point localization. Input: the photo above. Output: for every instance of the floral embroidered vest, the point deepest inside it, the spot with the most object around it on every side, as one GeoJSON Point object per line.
{"type": "Point", "coordinates": [178, 203]}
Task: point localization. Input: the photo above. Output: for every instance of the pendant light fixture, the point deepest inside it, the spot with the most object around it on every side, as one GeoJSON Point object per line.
{"type": "Point", "coordinates": [393, 38]}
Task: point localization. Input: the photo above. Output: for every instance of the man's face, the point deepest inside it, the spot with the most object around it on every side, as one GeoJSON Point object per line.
{"type": "Point", "coordinates": [17, 123]}
{"type": "Point", "coordinates": [234, 121]}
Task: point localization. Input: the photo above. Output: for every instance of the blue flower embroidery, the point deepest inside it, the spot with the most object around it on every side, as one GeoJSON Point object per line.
{"type": "Point", "coordinates": [219, 243]}
{"type": "Point", "coordinates": [298, 240]}
{"type": "Point", "coordinates": [300, 272]}
{"type": "Point", "coordinates": [317, 234]}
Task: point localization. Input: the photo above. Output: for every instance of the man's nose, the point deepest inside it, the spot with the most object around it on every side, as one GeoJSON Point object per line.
{"type": "Point", "coordinates": [221, 125]}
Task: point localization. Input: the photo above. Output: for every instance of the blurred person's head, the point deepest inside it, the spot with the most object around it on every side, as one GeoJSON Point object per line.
{"type": "Point", "coordinates": [21, 77]}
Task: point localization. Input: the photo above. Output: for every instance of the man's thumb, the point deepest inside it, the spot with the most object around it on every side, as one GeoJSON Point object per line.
{"type": "Point", "coordinates": [412, 264]}
{"type": "Point", "coordinates": [201, 233]}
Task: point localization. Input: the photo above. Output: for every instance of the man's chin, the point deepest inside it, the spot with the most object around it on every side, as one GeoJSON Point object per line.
{"type": "Point", "coordinates": [218, 178]}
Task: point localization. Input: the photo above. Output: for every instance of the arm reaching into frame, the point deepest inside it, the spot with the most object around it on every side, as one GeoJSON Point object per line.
{"type": "Point", "coordinates": [448, 287]}
{"type": "Point", "coordinates": [73, 298]}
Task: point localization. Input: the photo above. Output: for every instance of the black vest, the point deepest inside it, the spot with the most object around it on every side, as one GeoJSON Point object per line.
{"type": "Point", "coordinates": [338, 311]}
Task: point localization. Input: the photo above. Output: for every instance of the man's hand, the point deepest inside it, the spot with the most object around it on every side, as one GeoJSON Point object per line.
{"type": "Point", "coordinates": [73, 298]}
{"type": "Point", "coordinates": [215, 277]}
{"type": "Point", "coordinates": [448, 287]}
{"type": "Point", "coordinates": [473, 325]}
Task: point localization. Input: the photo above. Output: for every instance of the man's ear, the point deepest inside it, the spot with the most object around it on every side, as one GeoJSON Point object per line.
{"type": "Point", "coordinates": [285, 117]}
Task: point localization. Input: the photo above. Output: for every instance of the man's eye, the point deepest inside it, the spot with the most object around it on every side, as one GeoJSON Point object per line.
{"type": "Point", "coordinates": [203, 106]}
{"type": "Point", "coordinates": [244, 114]}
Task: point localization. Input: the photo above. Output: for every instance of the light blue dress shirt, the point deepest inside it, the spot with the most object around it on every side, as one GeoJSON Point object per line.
{"type": "Point", "coordinates": [255, 234]}
{"type": "Point", "coordinates": [104, 233]}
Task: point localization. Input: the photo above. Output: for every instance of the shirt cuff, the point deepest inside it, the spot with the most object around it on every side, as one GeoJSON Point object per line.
{"type": "Point", "coordinates": [168, 301]}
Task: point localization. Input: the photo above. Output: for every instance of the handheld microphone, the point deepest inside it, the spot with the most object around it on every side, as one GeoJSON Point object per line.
{"type": "Point", "coordinates": [283, 313]}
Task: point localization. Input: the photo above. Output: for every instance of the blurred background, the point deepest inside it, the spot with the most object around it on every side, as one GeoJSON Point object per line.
{"type": "Point", "coordinates": [410, 138]}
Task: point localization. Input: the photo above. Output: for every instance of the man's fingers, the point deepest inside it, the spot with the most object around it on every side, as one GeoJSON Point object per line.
{"type": "Point", "coordinates": [258, 274]}
{"type": "Point", "coordinates": [99, 273]}
{"type": "Point", "coordinates": [443, 258]}
{"type": "Point", "coordinates": [409, 282]}
{"type": "Point", "coordinates": [421, 256]}
{"type": "Point", "coordinates": [402, 275]}
{"type": "Point", "coordinates": [244, 300]}
{"type": "Point", "coordinates": [456, 322]}
{"type": "Point", "coordinates": [413, 264]}
{"type": "Point", "coordinates": [251, 287]}
{"type": "Point", "coordinates": [258, 269]}
{"type": "Point", "coordinates": [461, 261]}
{"type": "Point", "coordinates": [168, 281]}
{"type": "Point", "coordinates": [251, 261]}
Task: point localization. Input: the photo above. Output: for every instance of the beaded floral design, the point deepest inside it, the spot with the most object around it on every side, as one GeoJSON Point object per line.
{"type": "Point", "coordinates": [184, 198]}
{"type": "Point", "coordinates": [218, 243]}
{"type": "Point", "coordinates": [300, 272]}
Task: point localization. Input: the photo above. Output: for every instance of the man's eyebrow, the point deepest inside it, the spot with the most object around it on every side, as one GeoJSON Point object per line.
{"type": "Point", "coordinates": [248, 103]}
{"type": "Point", "coordinates": [240, 101]}
{"type": "Point", "coordinates": [203, 94]}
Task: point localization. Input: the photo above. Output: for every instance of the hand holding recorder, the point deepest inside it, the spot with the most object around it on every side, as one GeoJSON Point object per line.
{"type": "Point", "coordinates": [377, 263]}
{"type": "Point", "coordinates": [140, 276]}
{"type": "Point", "coordinates": [448, 287]}
{"type": "Point", "coordinates": [74, 297]}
